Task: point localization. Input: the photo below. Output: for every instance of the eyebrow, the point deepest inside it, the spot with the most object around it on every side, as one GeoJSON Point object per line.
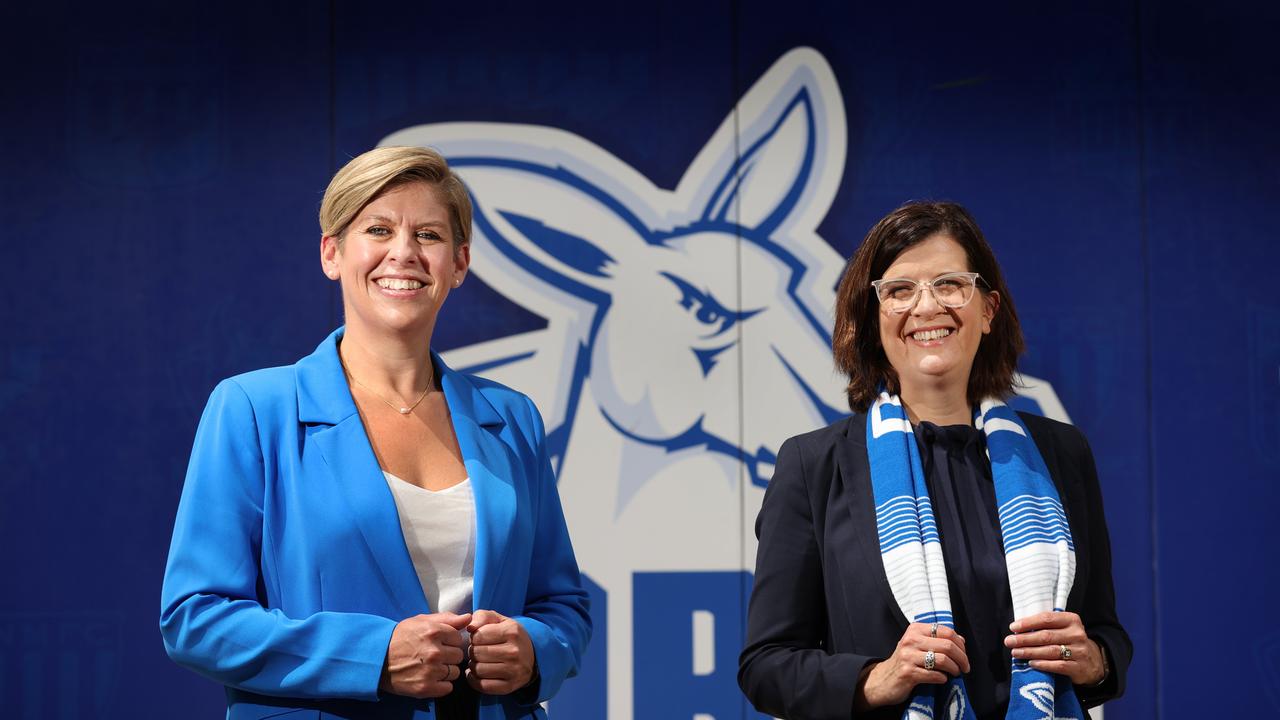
{"type": "Point", "coordinates": [385, 219]}
{"type": "Point", "coordinates": [935, 277]}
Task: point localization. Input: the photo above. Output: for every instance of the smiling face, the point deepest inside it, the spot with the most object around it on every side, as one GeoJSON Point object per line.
{"type": "Point", "coordinates": [931, 345]}
{"type": "Point", "coordinates": [397, 261]}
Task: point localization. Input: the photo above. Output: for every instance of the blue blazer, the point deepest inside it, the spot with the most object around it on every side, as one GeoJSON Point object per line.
{"type": "Point", "coordinates": [288, 569]}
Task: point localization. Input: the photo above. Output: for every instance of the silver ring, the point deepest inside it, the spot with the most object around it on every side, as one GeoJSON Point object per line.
{"type": "Point", "coordinates": [1065, 652]}
{"type": "Point", "coordinates": [929, 661]}
{"type": "Point", "coordinates": [933, 630]}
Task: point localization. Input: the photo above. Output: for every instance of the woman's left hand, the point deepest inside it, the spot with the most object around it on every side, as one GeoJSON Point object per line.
{"type": "Point", "coordinates": [501, 654]}
{"type": "Point", "coordinates": [1040, 638]}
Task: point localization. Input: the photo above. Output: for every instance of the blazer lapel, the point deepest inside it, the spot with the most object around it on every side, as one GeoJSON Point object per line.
{"type": "Point", "coordinates": [1069, 495]}
{"type": "Point", "coordinates": [325, 403]}
{"type": "Point", "coordinates": [854, 471]}
{"type": "Point", "coordinates": [492, 467]}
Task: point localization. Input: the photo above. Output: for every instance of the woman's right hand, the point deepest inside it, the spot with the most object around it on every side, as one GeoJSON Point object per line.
{"type": "Point", "coordinates": [425, 655]}
{"type": "Point", "coordinates": [891, 681]}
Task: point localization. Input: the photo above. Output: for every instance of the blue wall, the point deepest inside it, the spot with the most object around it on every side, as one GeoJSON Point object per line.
{"type": "Point", "coordinates": [163, 167]}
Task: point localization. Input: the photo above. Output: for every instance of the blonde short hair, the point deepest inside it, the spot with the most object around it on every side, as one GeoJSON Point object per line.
{"type": "Point", "coordinates": [370, 174]}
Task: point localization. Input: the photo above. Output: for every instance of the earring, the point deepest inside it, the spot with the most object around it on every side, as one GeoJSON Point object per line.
{"type": "Point", "coordinates": [456, 283]}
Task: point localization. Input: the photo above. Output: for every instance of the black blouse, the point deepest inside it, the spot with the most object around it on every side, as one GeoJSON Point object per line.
{"type": "Point", "coordinates": [958, 475]}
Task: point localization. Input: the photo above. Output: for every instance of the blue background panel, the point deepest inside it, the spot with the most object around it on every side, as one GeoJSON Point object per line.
{"type": "Point", "coordinates": [162, 168]}
{"type": "Point", "coordinates": [1215, 349]}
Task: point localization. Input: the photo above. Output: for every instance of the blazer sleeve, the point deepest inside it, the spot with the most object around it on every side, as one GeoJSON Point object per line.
{"type": "Point", "coordinates": [212, 618]}
{"type": "Point", "coordinates": [1099, 608]}
{"type": "Point", "coordinates": [556, 605]}
{"type": "Point", "coordinates": [784, 669]}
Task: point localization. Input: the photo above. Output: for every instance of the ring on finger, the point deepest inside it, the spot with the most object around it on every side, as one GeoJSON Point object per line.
{"type": "Point", "coordinates": [930, 660]}
{"type": "Point", "coordinates": [933, 630]}
{"type": "Point", "coordinates": [1065, 652]}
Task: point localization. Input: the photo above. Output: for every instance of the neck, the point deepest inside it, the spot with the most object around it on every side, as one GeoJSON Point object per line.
{"type": "Point", "coordinates": [940, 404]}
{"type": "Point", "coordinates": [389, 363]}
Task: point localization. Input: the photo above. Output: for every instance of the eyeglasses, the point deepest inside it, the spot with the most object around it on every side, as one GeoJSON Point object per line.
{"type": "Point", "coordinates": [953, 290]}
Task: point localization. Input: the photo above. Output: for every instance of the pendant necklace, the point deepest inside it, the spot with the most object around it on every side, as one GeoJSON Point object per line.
{"type": "Point", "coordinates": [402, 409]}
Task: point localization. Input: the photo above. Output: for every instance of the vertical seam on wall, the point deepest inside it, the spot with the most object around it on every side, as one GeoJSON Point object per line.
{"type": "Point", "coordinates": [335, 290]}
{"type": "Point", "coordinates": [744, 478]}
{"type": "Point", "coordinates": [1145, 240]}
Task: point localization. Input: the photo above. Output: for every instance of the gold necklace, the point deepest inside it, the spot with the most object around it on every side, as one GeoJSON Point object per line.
{"type": "Point", "coordinates": [403, 410]}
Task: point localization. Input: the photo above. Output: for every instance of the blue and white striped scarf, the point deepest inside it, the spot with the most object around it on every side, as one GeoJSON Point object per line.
{"type": "Point", "coordinates": [1039, 553]}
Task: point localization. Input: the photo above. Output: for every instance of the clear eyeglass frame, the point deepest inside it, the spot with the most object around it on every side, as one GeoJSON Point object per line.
{"type": "Point", "coordinates": [967, 286]}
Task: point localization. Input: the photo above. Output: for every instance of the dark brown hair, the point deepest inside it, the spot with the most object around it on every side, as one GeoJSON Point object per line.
{"type": "Point", "coordinates": [856, 339]}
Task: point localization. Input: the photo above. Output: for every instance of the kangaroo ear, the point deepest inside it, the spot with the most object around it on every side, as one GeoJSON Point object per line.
{"type": "Point", "coordinates": [539, 223]}
{"type": "Point", "coordinates": [790, 130]}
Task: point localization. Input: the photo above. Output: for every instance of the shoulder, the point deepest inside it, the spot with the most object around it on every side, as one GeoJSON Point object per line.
{"type": "Point", "coordinates": [263, 389]}
{"type": "Point", "coordinates": [503, 398]}
{"type": "Point", "coordinates": [266, 382]}
{"type": "Point", "coordinates": [243, 412]}
{"type": "Point", "coordinates": [815, 442]}
{"type": "Point", "coordinates": [494, 391]}
{"type": "Point", "coordinates": [807, 466]}
{"type": "Point", "coordinates": [513, 406]}
{"type": "Point", "coordinates": [1063, 448]}
{"type": "Point", "coordinates": [815, 453]}
{"type": "Point", "coordinates": [260, 398]}
{"type": "Point", "coordinates": [1048, 432]}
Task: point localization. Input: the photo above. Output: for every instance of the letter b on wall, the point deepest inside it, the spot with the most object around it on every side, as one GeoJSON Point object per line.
{"type": "Point", "coordinates": [688, 630]}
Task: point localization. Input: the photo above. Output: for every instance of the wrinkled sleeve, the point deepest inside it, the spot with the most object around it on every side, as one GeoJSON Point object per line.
{"type": "Point", "coordinates": [212, 616]}
{"type": "Point", "coordinates": [556, 604]}
{"type": "Point", "coordinates": [784, 669]}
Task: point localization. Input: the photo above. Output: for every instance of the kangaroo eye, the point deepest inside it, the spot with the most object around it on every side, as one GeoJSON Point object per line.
{"type": "Point", "coordinates": [705, 308]}
{"type": "Point", "coordinates": [706, 314]}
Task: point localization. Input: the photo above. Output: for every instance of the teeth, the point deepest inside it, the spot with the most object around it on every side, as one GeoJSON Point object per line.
{"type": "Point", "coordinates": [399, 284]}
{"type": "Point", "coordinates": [931, 334]}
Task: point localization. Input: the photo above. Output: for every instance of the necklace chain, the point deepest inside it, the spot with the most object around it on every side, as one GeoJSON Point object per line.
{"type": "Point", "coordinates": [402, 409]}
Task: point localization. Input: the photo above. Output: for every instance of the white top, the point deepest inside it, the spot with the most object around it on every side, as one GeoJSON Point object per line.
{"type": "Point", "coordinates": [439, 529]}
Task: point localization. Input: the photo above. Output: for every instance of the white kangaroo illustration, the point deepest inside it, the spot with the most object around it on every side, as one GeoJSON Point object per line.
{"type": "Point", "coordinates": [688, 330]}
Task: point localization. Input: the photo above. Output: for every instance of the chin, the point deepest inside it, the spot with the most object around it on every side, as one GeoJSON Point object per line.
{"type": "Point", "coordinates": [935, 364]}
{"type": "Point", "coordinates": [934, 372]}
{"type": "Point", "coordinates": [398, 322]}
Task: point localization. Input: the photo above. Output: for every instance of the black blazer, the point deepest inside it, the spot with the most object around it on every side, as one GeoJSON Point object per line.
{"type": "Point", "coordinates": [821, 608]}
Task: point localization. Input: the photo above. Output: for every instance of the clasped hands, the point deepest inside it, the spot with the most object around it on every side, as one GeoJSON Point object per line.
{"type": "Point", "coordinates": [1037, 638]}
{"type": "Point", "coordinates": [425, 655]}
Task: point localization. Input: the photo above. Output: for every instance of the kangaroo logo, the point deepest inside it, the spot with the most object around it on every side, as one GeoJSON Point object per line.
{"type": "Point", "coordinates": [688, 330]}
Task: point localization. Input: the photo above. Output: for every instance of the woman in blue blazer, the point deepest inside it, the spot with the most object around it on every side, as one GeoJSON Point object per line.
{"type": "Point", "coordinates": [299, 575]}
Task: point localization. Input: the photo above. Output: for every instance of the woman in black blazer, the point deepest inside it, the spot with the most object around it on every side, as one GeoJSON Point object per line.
{"type": "Point", "coordinates": [888, 539]}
